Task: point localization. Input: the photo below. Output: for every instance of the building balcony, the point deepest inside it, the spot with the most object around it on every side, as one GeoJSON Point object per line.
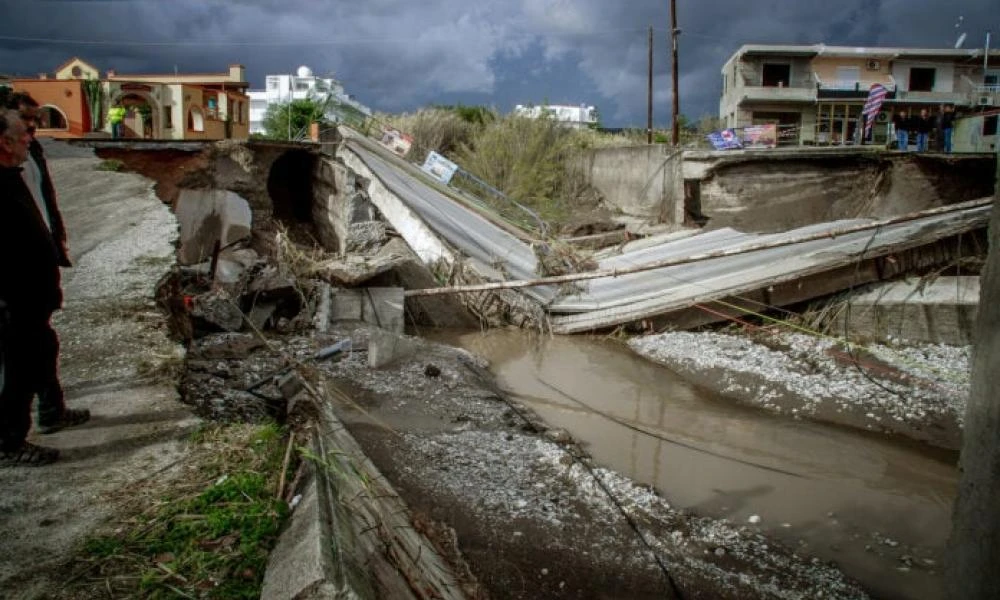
{"type": "Point", "coordinates": [959, 98]}
{"type": "Point", "coordinates": [851, 89]}
{"type": "Point", "coordinates": [777, 94]}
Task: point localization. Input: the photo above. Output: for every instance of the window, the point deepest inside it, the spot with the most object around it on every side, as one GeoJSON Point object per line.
{"type": "Point", "coordinates": [992, 79]}
{"type": "Point", "coordinates": [76, 71]}
{"type": "Point", "coordinates": [168, 117]}
{"type": "Point", "coordinates": [921, 80]}
{"type": "Point", "coordinates": [272, 83]}
{"type": "Point", "coordinates": [776, 75]}
{"type": "Point", "coordinates": [301, 85]}
{"type": "Point", "coordinates": [848, 78]}
{"type": "Point", "coordinates": [50, 117]}
{"type": "Point", "coordinates": [990, 125]}
{"type": "Point", "coordinates": [196, 121]}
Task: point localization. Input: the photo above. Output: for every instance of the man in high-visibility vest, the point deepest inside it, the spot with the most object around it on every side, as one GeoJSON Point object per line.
{"type": "Point", "coordinates": [115, 116]}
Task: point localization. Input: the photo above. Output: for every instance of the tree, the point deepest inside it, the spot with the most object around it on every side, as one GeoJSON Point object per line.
{"type": "Point", "coordinates": [290, 120]}
{"type": "Point", "coordinates": [93, 91]}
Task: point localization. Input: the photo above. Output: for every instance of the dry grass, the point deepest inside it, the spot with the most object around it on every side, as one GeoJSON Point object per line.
{"type": "Point", "coordinates": [437, 129]}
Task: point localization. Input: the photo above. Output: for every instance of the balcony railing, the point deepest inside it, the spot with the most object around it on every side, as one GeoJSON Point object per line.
{"type": "Point", "coordinates": [780, 94]}
{"type": "Point", "coordinates": [854, 85]}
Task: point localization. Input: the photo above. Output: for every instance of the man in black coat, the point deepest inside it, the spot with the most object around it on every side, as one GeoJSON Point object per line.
{"type": "Point", "coordinates": [29, 293]}
{"type": "Point", "coordinates": [53, 414]}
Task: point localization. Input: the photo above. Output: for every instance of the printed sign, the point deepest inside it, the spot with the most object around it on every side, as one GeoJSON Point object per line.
{"type": "Point", "coordinates": [439, 167]}
{"type": "Point", "coordinates": [725, 140]}
{"type": "Point", "coordinates": [396, 141]}
{"type": "Point", "coordinates": [760, 136]}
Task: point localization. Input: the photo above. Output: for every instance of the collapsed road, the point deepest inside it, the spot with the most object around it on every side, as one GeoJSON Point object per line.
{"type": "Point", "coordinates": [510, 506]}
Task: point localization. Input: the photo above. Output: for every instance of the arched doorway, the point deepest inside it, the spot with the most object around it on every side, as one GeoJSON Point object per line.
{"type": "Point", "coordinates": [139, 117]}
{"type": "Point", "coordinates": [50, 117]}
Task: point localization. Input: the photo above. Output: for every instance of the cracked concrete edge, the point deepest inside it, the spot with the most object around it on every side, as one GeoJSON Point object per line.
{"type": "Point", "coordinates": [351, 535]}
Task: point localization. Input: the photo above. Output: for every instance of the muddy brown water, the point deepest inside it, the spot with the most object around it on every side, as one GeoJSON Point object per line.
{"type": "Point", "coordinates": [879, 509]}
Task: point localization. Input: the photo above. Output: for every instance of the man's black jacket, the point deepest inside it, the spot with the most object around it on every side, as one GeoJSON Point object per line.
{"type": "Point", "coordinates": [29, 255]}
{"type": "Point", "coordinates": [49, 193]}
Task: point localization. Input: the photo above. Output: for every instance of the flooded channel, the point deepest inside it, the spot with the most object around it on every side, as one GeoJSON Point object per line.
{"type": "Point", "coordinates": [880, 510]}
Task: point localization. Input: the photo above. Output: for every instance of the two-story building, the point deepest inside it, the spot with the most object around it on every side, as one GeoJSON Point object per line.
{"type": "Point", "coordinates": [171, 106]}
{"type": "Point", "coordinates": [281, 89]}
{"type": "Point", "coordinates": [816, 93]}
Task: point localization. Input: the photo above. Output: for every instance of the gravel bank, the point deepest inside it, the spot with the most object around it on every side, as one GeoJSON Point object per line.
{"type": "Point", "coordinates": [914, 391]}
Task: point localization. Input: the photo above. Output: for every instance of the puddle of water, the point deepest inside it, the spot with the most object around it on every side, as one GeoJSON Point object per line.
{"type": "Point", "coordinates": [828, 491]}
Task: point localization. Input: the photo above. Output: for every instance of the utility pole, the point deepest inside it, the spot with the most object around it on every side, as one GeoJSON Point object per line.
{"type": "Point", "coordinates": [649, 92]}
{"type": "Point", "coordinates": [676, 136]}
{"type": "Point", "coordinates": [974, 548]}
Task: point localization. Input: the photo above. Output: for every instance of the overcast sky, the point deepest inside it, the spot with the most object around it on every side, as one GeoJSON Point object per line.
{"type": "Point", "coordinates": [399, 55]}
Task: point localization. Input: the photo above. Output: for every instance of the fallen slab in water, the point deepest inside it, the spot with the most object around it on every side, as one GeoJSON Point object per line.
{"type": "Point", "coordinates": [939, 311]}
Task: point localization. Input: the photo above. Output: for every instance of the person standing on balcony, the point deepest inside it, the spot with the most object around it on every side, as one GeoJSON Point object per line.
{"type": "Point", "coordinates": [901, 123]}
{"type": "Point", "coordinates": [924, 126]}
{"type": "Point", "coordinates": [947, 126]}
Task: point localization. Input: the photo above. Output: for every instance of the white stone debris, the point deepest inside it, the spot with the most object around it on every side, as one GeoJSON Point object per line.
{"type": "Point", "coordinates": [800, 374]}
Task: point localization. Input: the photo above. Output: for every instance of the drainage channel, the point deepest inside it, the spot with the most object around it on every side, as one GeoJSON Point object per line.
{"type": "Point", "coordinates": [879, 509]}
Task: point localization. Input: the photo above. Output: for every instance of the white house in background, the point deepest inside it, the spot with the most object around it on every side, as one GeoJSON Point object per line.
{"type": "Point", "coordinates": [577, 117]}
{"type": "Point", "coordinates": [279, 89]}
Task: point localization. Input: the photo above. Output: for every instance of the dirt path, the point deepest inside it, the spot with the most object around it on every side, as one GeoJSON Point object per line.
{"type": "Point", "coordinates": [114, 353]}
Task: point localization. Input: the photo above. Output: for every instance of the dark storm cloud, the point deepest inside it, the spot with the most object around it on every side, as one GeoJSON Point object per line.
{"type": "Point", "coordinates": [398, 55]}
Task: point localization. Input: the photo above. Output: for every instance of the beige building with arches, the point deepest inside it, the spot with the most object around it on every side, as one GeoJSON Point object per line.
{"type": "Point", "coordinates": [178, 106]}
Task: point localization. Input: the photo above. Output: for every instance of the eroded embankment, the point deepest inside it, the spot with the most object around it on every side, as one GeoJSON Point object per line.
{"type": "Point", "coordinates": [518, 507]}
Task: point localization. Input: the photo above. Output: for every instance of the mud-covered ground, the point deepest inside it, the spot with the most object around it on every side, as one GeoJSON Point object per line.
{"type": "Point", "coordinates": [917, 391]}
{"type": "Point", "coordinates": [532, 516]}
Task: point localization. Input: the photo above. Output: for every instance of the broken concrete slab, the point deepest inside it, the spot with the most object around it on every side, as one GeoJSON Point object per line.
{"type": "Point", "coordinates": [386, 347]}
{"type": "Point", "coordinates": [261, 312]}
{"type": "Point", "coordinates": [382, 307]}
{"type": "Point", "coordinates": [346, 220]}
{"type": "Point", "coordinates": [298, 568]}
{"type": "Point", "coordinates": [942, 311]}
{"type": "Point", "coordinates": [208, 216]}
{"type": "Point", "coordinates": [217, 309]}
{"type": "Point", "coordinates": [351, 535]}
{"type": "Point", "coordinates": [355, 269]}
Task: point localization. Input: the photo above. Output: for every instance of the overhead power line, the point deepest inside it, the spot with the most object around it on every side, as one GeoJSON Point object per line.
{"type": "Point", "coordinates": [333, 41]}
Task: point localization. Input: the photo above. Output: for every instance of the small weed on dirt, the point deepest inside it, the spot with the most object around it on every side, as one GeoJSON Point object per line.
{"type": "Point", "coordinates": [203, 532]}
{"type": "Point", "coordinates": [111, 164]}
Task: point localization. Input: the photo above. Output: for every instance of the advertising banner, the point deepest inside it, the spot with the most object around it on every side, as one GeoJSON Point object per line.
{"type": "Point", "coordinates": [725, 140]}
{"type": "Point", "coordinates": [760, 136]}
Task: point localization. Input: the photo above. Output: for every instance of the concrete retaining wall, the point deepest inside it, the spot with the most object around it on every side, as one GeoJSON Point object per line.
{"type": "Point", "coordinates": [779, 190]}
{"type": "Point", "coordinates": [639, 181]}
{"type": "Point", "coordinates": [776, 190]}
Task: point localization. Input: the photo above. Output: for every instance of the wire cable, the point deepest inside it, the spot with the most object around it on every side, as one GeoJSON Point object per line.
{"type": "Point", "coordinates": [671, 583]}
